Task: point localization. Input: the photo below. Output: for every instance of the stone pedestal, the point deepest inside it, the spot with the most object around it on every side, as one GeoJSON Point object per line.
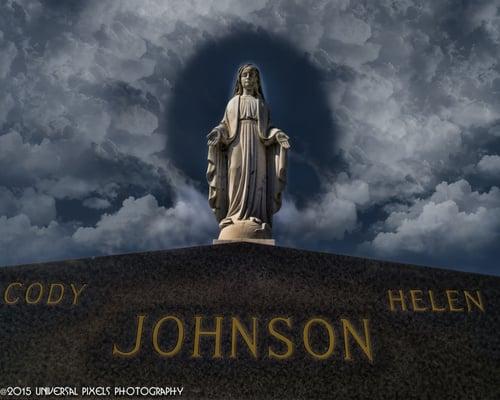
{"type": "Point", "coordinates": [246, 229]}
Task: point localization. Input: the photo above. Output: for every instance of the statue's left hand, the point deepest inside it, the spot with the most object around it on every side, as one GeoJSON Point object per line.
{"type": "Point", "coordinates": [282, 139]}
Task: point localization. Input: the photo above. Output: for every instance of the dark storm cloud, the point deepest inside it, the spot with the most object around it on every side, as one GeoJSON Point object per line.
{"type": "Point", "coordinates": [417, 110]}
{"type": "Point", "coordinates": [392, 107]}
{"type": "Point", "coordinates": [79, 128]}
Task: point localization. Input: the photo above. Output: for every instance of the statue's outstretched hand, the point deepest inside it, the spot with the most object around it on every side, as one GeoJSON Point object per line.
{"type": "Point", "coordinates": [282, 139]}
{"type": "Point", "coordinates": [213, 138]}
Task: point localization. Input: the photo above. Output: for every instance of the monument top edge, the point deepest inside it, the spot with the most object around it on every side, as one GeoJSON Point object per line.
{"type": "Point", "coordinates": [235, 249]}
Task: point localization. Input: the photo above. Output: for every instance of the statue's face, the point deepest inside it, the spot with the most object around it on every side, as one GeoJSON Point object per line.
{"type": "Point", "coordinates": [249, 78]}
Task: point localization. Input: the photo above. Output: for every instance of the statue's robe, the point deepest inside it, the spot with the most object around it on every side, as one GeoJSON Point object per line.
{"type": "Point", "coordinates": [218, 172]}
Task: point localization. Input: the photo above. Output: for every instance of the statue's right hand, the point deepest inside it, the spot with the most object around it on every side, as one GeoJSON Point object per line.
{"type": "Point", "coordinates": [213, 138]}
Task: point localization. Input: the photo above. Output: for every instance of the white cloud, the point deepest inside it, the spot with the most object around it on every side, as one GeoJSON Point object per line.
{"type": "Point", "coordinates": [348, 29]}
{"type": "Point", "coordinates": [454, 220]}
{"type": "Point", "coordinates": [327, 218]}
{"type": "Point", "coordinates": [141, 224]}
{"type": "Point", "coordinates": [136, 120]}
{"type": "Point", "coordinates": [441, 229]}
{"type": "Point", "coordinates": [67, 187]}
{"type": "Point", "coordinates": [281, 18]}
{"type": "Point", "coordinates": [461, 193]}
{"type": "Point", "coordinates": [9, 53]}
{"type": "Point", "coordinates": [22, 242]}
{"type": "Point", "coordinates": [21, 163]}
{"type": "Point", "coordinates": [353, 190]}
{"type": "Point", "coordinates": [8, 202]}
{"type": "Point", "coordinates": [96, 203]}
{"type": "Point", "coordinates": [486, 16]}
{"type": "Point", "coordinates": [39, 207]}
{"type": "Point", "coordinates": [490, 164]}
{"type": "Point", "coordinates": [6, 104]}
{"type": "Point", "coordinates": [473, 113]}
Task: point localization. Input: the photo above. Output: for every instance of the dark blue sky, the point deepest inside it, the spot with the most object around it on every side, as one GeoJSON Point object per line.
{"type": "Point", "coordinates": [392, 109]}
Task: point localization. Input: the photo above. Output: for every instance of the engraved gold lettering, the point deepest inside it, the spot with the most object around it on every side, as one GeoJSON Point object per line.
{"type": "Point", "coordinates": [237, 327]}
{"type": "Point", "coordinates": [198, 333]}
{"type": "Point", "coordinates": [6, 297]}
{"type": "Point", "coordinates": [396, 299]}
{"type": "Point", "coordinates": [28, 298]}
{"type": "Point", "coordinates": [138, 340]}
{"type": "Point", "coordinates": [77, 292]}
{"type": "Point", "coordinates": [278, 335]}
{"type": "Point", "coordinates": [478, 301]}
{"type": "Point", "coordinates": [416, 298]}
{"type": "Point", "coordinates": [452, 300]}
{"type": "Point", "coordinates": [180, 336]}
{"type": "Point", "coordinates": [434, 306]}
{"type": "Point", "coordinates": [331, 338]}
{"type": "Point", "coordinates": [365, 344]}
{"type": "Point", "coordinates": [50, 300]}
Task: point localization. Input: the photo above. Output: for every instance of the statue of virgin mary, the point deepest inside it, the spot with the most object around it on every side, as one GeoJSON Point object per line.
{"type": "Point", "coordinates": [247, 160]}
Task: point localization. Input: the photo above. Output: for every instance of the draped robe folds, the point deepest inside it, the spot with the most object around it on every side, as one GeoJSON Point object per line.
{"type": "Point", "coordinates": [247, 166]}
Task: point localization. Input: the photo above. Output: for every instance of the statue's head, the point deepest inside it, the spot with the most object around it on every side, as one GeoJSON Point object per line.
{"type": "Point", "coordinates": [249, 78]}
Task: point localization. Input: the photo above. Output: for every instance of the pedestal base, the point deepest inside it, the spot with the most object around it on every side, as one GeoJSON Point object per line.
{"type": "Point", "coordinates": [269, 242]}
{"type": "Point", "coordinates": [246, 229]}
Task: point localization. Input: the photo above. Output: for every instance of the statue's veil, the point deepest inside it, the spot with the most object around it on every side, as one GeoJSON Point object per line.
{"type": "Point", "coordinates": [238, 88]}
